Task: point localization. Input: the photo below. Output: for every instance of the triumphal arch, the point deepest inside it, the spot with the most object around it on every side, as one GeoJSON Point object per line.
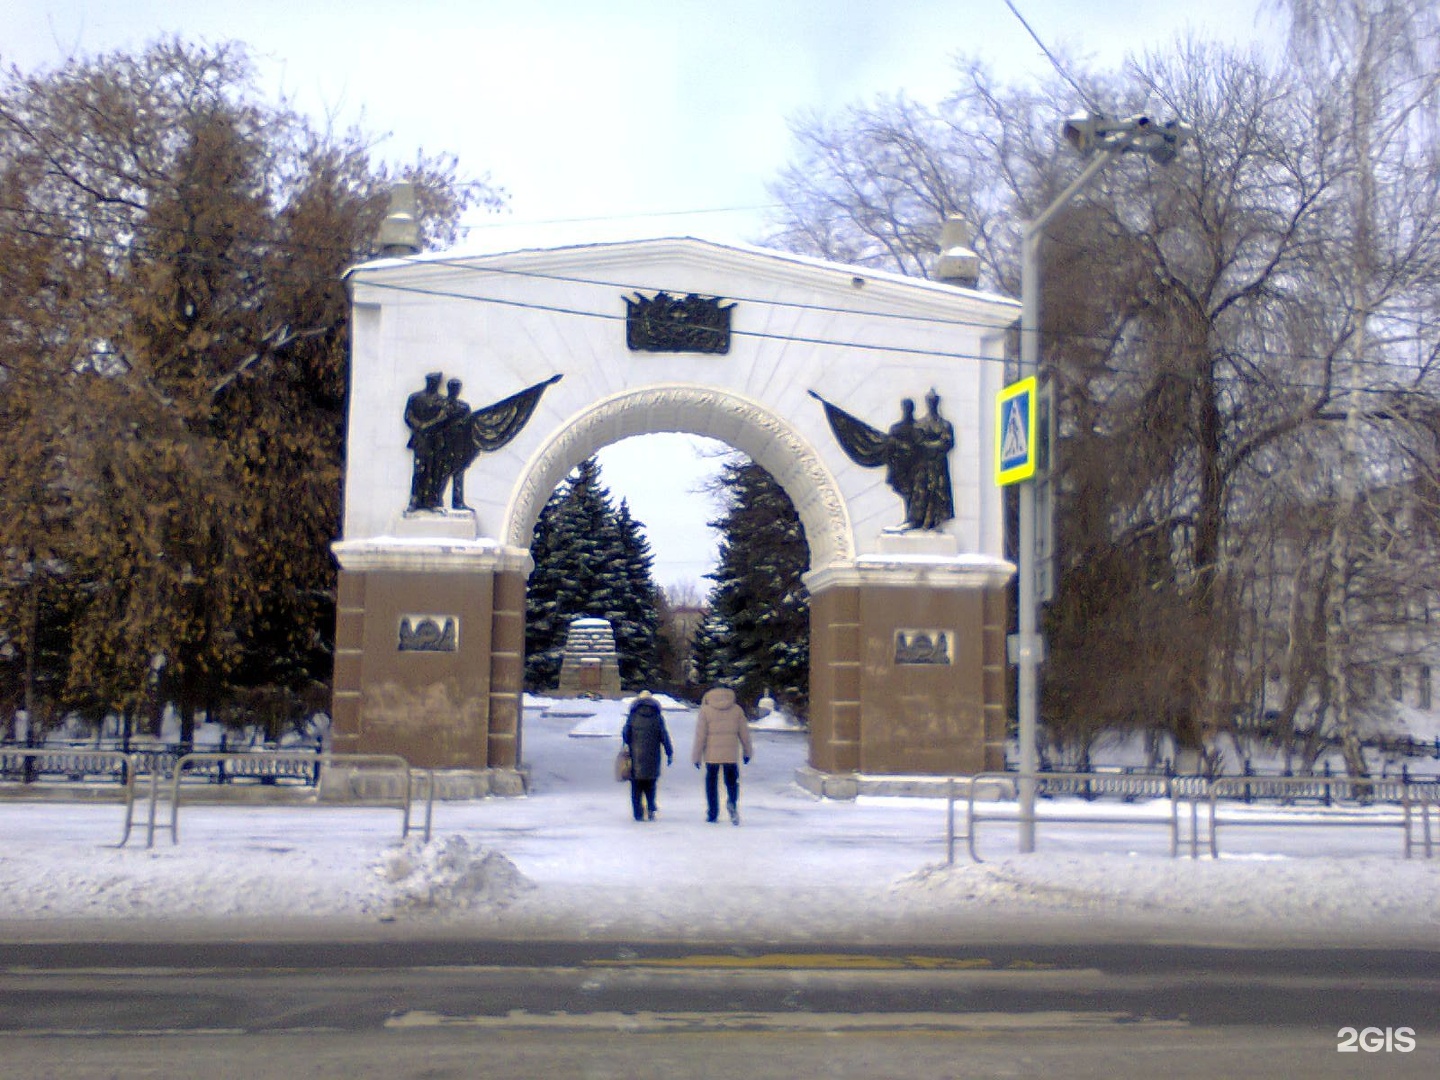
{"type": "Point", "coordinates": [478, 382]}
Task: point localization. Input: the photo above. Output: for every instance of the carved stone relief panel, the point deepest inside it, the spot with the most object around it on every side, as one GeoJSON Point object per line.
{"type": "Point", "coordinates": [924, 646]}
{"type": "Point", "coordinates": [429, 633]}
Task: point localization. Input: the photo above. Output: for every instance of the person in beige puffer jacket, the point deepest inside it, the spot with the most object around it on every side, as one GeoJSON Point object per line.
{"type": "Point", "coordinates": [722, 735]}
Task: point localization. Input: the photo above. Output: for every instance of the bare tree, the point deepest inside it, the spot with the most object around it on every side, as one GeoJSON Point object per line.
{"type": "Point", "coordinates": [1374, 65]}
{"type": "Point", "coordinates": [1200, 322]}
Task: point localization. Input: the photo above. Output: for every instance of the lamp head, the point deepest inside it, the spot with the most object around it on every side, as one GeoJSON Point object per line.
{"type": "Point", "coordinates": [1088, 132]}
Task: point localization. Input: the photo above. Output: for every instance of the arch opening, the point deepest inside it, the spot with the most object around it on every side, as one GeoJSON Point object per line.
{"type": "Point", "coordinates": [760, 434]}
{"type": "Point", "coordinates": [691, 559]}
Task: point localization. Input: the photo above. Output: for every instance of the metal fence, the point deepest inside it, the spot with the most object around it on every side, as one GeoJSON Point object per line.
{"type": "Point", "coordinates": [271, 766]}
{"type": "Point", "coordinates": [28, 764]}
{"type": "Point", "coordinates": [86, 762]}
{"type": "Point", "coordinates": [1324, 787]}
{"type": "Point", "coordinates": [1352, 803]}
{"type": "Point", "coordinates": [988, 796]}
{"type": "Point", "coordinates": [1426, 808]}
{"type": "Point", "coordinates": [991, 798]}
{"type": "Point", "coordinates": [1130, 786]}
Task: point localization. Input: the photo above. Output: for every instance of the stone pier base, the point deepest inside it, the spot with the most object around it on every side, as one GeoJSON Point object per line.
{"type": "Point", "coordinates": [342, 784]}
{"type": "Point", "coordinates": [430, 653]}
{"type": "Point", "coordinates": [849, 786]}
{"type": "Point", "coordinates": [907, 665]}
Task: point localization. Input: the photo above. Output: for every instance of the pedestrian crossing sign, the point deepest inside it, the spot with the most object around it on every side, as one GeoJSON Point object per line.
{"type": "Point", "coordinates": [1015, 432]}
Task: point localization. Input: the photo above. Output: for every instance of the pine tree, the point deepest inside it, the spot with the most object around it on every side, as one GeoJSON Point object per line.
{"type": "Point", "coordinates": [758, 631]}
{"type": "Point", "coordinates": [591, 561]}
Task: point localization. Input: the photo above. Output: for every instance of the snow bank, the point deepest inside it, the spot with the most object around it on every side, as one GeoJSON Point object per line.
{"type": "Point", "coordinates": [1257, 894]}
{"type": "Point", "coordinates": [447, 876]}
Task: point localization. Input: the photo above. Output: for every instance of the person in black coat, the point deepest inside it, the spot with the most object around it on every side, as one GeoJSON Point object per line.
{"type": "Point", "coordinates": [644, 733]}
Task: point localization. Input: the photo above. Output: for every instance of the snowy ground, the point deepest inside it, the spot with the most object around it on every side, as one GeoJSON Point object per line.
{"type": "Point", "coordinates": [568, 861]}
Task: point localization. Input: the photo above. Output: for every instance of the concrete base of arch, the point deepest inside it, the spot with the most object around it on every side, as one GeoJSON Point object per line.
{"type": "Point", "coordinates": [450, 703]}
{"type": "Point", "coordinates": [847, 787]}
{"type": "Point", "coordinates": [886, 697]}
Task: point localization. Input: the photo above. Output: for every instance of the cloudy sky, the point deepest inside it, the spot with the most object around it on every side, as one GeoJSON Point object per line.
{"type": "Point", "coordinates": [611, 118]}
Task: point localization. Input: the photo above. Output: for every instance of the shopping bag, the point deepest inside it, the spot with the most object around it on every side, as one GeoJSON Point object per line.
{"type": "Point", "coordinates": [622, 764]}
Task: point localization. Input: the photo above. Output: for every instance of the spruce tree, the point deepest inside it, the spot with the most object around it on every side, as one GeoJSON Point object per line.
{"type": "Point", "coordinates": [638, 637]}
{"type": "Point", "coordinates": [711, 655]}
{"type": "Point", "coordinates": [544, 624]}
{"type": "Point", "coordinates": [758, 631]}
{"type": "Point", "coordinates": [591, 561]}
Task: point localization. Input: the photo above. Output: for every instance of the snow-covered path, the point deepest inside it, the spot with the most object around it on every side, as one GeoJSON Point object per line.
{"type": "Point", "coordinates": [568, 861]}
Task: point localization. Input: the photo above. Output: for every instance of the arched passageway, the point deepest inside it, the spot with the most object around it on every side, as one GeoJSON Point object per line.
{"type": "Point", "coordinates": [757, 432]}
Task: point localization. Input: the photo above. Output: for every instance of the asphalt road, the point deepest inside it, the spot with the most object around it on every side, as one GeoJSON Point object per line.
{"type": "Point", "coordinates": [439, 1009]}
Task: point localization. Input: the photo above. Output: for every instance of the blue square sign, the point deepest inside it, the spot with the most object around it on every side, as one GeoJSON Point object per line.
{"type": "Point", "coordinates": [1015, 432]}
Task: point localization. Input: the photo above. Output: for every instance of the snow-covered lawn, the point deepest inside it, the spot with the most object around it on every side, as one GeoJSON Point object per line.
{"type": "Point", "coordinates": [568, 860]}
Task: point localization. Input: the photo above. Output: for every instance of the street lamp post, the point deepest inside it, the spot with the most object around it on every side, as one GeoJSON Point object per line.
{"type": "Point", "coordinates": [1102, 139]}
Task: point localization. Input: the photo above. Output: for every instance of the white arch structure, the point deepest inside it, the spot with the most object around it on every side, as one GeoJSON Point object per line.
{"type": "Point", "coordinates": [907, 629]}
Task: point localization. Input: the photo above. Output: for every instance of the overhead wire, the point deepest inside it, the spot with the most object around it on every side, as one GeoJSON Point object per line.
{"type": "Point", "coordinates": [464, 264]}
{"type": "Point", "coordinates": [467, 263]}
{"type": "Point", "coordinates": [880, 347]}
{"type": "Point", "coordinates": [591, 219]}
{"type": "Point", "coordinates": [763, 335]}
{"type": "Point", "coordinates": [1054, 62]}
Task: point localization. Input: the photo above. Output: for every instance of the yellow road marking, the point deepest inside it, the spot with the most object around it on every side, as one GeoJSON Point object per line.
{"type": "Point", "coordinates": [821, 962]}
{"type": "Point", "coordinates": [838, 1023]}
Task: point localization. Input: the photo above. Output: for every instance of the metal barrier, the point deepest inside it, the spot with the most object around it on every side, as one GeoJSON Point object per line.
{"type": "Point", "coordinates": [151, 802]}
{"type": "Point", "coordinates": [1144, 785]}
{"type": "Point", "coordinates": [1355, 789]}
{"type": "Point", "coordinates": [429, 775]}
{"type": "Point", "coordinates": [1427, 805]}
{"type": "Point", "coordinates": [999, 781]}
{"type": "Point", "coordinates": [127, 768]}
{"type": "Point", "coordinates": [381, 763]}
{"type": "Point", "coordinates": [241, 761]}
{"type": "Point", "coordinates": [106, 763]}
{"type": "Point", "coordinates": [1417, 813]}
{"type": "Point", "coordinates": [405, 801]}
